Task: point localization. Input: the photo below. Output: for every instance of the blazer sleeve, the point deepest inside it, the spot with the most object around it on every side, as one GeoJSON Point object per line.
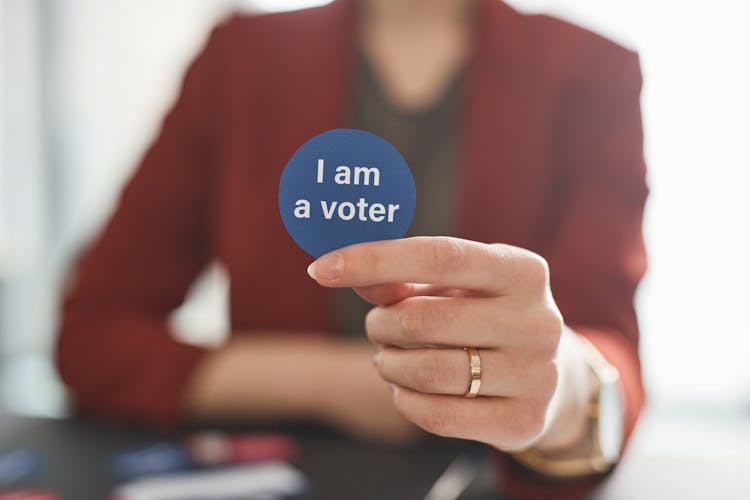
{"type": "Point", "coordinates": [596, 252]}
{"type": "Point", "coordinates": [115, 351]}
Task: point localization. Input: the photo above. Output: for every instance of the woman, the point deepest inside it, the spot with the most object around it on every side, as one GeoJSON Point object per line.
{"type": "Point", "coordinates": [523, 133]}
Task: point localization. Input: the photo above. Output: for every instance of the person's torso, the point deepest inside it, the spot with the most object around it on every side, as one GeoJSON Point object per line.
{"type": "Point", "coordinates": [299, 82]}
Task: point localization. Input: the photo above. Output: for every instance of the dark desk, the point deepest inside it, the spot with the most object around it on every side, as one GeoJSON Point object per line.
{"type": "Point", "coordinates": [77, 454]}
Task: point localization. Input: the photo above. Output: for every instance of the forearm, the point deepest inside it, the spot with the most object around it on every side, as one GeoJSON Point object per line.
{"type": "Point", "coordinates": [296, 377]}
{"type": "Point", "coordinates": [263, 376]}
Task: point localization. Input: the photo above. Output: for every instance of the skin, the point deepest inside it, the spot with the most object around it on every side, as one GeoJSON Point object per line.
{"type": "Point", "coordinates": [324, 379]}
{"type": "Point", "coordinates": [494, 297]}
{"type": "Point", "coordinates": [416, 46]}
{"type": "Point", "coordinates": [535, 384]}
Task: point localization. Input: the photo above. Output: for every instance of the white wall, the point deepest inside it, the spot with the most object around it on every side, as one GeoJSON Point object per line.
{"type": "Point", "coordinates": [88, 82]}
{"type": "Point", "coordinates": [27, 292]}
{"type": "Point", "coordinates": [693, 304]}
{"type": "Point", "coordinates": [3, 131]}
{"type": "Point", "coordinates": [114, 69]}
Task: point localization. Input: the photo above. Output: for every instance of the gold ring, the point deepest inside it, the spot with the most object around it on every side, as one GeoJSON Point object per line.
{"type": "Point", "coordinates": [475, 372]}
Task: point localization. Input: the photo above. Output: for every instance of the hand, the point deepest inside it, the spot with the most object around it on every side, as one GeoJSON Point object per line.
{"type": "Point", "coordinates": [436, 295]}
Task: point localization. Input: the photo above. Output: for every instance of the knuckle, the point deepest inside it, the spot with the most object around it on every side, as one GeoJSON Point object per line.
{"type": "Point", "coordinates": [445, 255]}
{"type": "Point", "coordinates": [372, 320]}
{"type": "Point", "coordinates": [545, 328]}
{"type": "Point", "coordinates": [550, 331]}
{"type": "Point", "coordinates": [417, 318]}
{"type": "Point", "coordinates": [549, 322]}
{"type": "Point", "coordinates": [528, 425]}
{"type": "Point", "coordinates": [536, 271]}
{"type": "Point", "coordinates": [557, 323]}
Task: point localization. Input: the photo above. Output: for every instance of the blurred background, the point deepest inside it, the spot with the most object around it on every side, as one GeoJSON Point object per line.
{"type": "Point", "coordinates": [84, 84]}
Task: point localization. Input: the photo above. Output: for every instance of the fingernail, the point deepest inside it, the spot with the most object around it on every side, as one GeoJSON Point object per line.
{"type": "Point", "coordinates": [327, 268]}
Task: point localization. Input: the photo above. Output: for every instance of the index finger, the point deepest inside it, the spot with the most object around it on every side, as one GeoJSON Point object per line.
{"type": "Point", "coordinates": [441, 261]}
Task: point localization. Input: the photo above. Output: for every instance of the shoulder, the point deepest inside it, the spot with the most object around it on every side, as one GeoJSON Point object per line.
{"type": "Point", "coordinates": [571, 51]}
{"type": "Point", "coordinates": [272, 35]}
{"type": "Point", "coordinates": [560, 35]}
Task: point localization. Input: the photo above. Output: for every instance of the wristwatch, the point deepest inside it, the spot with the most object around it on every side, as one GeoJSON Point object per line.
{"type": "Point", "coordinates": [606, 426]}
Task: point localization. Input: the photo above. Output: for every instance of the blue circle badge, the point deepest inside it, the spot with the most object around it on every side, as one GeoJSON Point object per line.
{"type": "Point", "coordinates": [343, 187]}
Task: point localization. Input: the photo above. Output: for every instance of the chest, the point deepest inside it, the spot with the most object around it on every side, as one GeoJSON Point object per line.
{"type": "Point", "coordinates": [501, 183]}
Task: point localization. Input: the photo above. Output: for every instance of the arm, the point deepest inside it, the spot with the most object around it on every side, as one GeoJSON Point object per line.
{"type": "Point", "coordinates": [596, 253]}
{"type": "Point", "coordinates": [115, 351]}
{"type": "Point", "coordinates": [535, 387]}
{"type": "Point", "coordinates": [296, 377]}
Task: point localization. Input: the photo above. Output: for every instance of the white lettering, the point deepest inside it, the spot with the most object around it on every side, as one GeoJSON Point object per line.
{"type": "Point", "coordinates": [343, 175]}
{"type": "Point", "coordinates": [391, 210]}
{"type": "Point", "coordinates": [320, 171]}
{"type": "Point", "coordinates": [302, 209]}
{"type": "Point", "coordinates": [328, 213]}
{"type": "Point", "coordinates": [377, 211]}
{"type": "Point", "coordinates": [348, 206]}
{"type": "Point", "coordinates": [367, 171]}
{"type": "Point", "coordinates": [347, 210]}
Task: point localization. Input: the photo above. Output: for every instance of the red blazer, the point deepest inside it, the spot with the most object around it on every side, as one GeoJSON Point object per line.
{"type": "Point", "coordinates": [550, 159]}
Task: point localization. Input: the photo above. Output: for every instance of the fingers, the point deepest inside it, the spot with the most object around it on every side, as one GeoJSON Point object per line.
{"type": "Point", "coordinates": [442, 261]}
{"type": "Point", "coordinates": [464, 321]}
{"type": "Point", "coordinates": [449, 292]}
{"type": "Point", "coordinates": [435, 321]}
{"type": "Point", "coordinates": [390, 293]}
{"type": "Point", "coordinates": [506, 423]}
{"type": "Point", "coordinates": [447, 371]}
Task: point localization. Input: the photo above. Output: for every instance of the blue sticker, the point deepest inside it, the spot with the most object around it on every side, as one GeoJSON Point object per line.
{"type": "Point", "coordinates": [343, 187]}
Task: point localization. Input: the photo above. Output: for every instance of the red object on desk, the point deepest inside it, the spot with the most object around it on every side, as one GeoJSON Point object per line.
{"type": "Point", "coordinates": [551, 160]}
{"type": "Point", "coordinates": [213, 448]}
{"type": "Point", "coordinates": [28, 495]}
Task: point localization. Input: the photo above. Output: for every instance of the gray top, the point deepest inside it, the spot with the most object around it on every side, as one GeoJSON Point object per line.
{"type": "Point", "coordinates": [427, 139]}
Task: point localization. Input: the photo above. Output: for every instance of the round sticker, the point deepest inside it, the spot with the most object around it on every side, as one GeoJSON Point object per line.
{"type": "Point", "coordinates": [343, 187]}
